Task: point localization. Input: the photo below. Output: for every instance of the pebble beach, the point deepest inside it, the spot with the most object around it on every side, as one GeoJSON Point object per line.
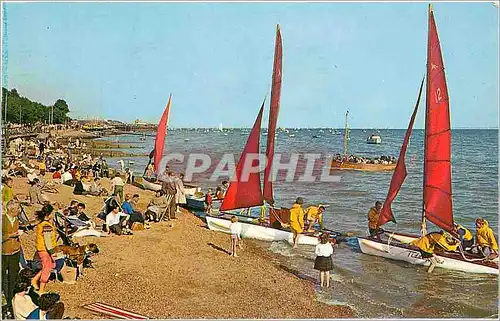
{"type": "Point", "coordinates": [181, 271]}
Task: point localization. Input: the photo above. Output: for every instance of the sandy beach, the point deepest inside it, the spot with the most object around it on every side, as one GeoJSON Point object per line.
{"type": "Point", "coordinates": [183, 271]}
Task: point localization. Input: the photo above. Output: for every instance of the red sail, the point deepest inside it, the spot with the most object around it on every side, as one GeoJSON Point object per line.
{"type": "Point", "coordinates": [244, 194]}
{"type": "Point", "coordinates": [437, 161]}
{"type": "Point", "coordinates": [400, 173]}
{"type": "Point", "coordinates": [273, 117]}
{"type": "Point", "coordinates": [160, 136]}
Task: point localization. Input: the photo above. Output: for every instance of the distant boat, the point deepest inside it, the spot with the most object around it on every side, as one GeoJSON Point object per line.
{"type": "Point", "coordinates": [374, 139]}
{"type": "Point", "coordinates": [220, 127]}
{"type": "Point", "coordinates": [186, 139]}
{"type": "Point", "coordinates": [316, 136]}
{"type": "Point", "coordinates": [343, 163]}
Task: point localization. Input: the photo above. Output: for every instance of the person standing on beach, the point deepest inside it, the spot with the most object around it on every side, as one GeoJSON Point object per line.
{"type": "Point", "coordinates": [117, 186]}
{"type": "Point", "coordinates": [168, 188]}
{"type": "Point", "coordinates": [45, 244]}
{"type": "Point", "coordinates": [235, 229]}
{"type": "Point", "coordinates": [7, 193]}
{"type": "Point", "coordinates": [323, 262]}
{"type": "Point", "coordinates": [180, 196]}
{"type": "Point", "coordinates": [11, 249]}
{"type": "Point", "coordinates": [373, 215]}
{"type": "Point", "coordinates": [297, 220]}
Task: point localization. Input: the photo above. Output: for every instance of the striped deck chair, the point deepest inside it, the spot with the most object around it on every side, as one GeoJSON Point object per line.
{"type": "Point", "coordinates": [114, 311]}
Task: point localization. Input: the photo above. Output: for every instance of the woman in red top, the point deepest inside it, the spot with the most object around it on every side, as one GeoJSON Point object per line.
{"type": "Point", "coordinates": [208, 201]}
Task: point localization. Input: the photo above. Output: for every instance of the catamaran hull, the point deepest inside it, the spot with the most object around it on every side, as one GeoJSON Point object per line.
{"type": "Point", "coordinates": [198, 203]}
{"type": "Point", "coordinates": [413, 256]}
{"type": "Point", "coordinates": [258, 232]}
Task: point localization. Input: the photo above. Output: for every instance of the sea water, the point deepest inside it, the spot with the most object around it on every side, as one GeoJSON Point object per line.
{"type": "Point", "coordinates": [373, 286]}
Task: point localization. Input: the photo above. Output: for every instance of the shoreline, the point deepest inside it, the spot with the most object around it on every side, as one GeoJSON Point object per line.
{"type": "Point", "coordinates": [182, 271]}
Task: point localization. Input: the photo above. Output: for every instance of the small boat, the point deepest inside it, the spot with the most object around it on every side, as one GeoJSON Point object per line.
{"type": "Point", "coordinates": [316, 136]}
{"type": "Point", "coordinates": [437, 206]}
{"type": "Point", "coordinates": [343, 163]}
{"type": "Point", "coordinates": [374, 139]}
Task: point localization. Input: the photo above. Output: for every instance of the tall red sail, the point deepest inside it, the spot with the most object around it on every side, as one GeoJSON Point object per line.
{"type": "Point", "coordinates": [273, 117]}
{"type": "Point", "coordinates": [400, 173]}
{"type": "Point", "coordinates": [437, 161]}
{"type": "Point", "coordinates": [160, 136]}
{"type": "Point", "coordinates": [244, 194]}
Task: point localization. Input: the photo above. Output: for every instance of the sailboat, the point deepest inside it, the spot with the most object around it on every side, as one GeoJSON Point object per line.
{"type": "Point", "coordinates": [437, 197]}
{"type": "Point", "coordinates": [156, 155]}
{"type": "Point", "coordinates": [247, 193]}
{"type": "Point", "coordinates": [343, 163]}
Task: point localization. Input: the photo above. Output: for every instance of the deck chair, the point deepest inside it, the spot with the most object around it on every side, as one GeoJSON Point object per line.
{"type": "Point", "coordinates": [64, 229]}
{"type": "Point", "coordinates": [25, 223]}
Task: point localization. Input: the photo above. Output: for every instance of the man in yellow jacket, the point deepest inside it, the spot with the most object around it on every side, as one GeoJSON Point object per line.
{"type": "Point", "coordinates": [426, 245]}
{"type": "Point", "coordinates": [297, 220]}
{"type": "Point", "coordinates": [373, 215]}
{"type": "Point", "coordinates": [315, 215]}
{"type": "Point", "coordinates": [485, 239]}
{"type": "Point", "coordinates": [466, 237]}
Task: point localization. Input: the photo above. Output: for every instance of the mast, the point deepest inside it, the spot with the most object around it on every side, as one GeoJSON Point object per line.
{"type": "Point", "coordinates": [346, 135]}
{"type": "Point", "coordinates": [273, 116]}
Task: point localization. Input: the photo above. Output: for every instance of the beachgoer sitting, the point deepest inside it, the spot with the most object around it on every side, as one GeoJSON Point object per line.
{"type": "Point", "coordinates": [486, 243]}
{"type": "Point", "coordinates": [22, 304]}
{"type": "Point", "coordinates": [466, 237]}
{"type": "Point", "coordinates": [49, 308]}
{"type": "Point", "coordinates": [67, 178]}
{"type": "Point", "coordinates": [35, 193]}
{"type": "Point", "coordinates": [117, 222]}
{"type": "Point", "coordinates": [156, 207]}
{"type": "Point", "coordinates": [96, 188]}
{"type": "Point", "coordinates": [79, 190]}
{"type": "Point", "coordinates": [128, 209]}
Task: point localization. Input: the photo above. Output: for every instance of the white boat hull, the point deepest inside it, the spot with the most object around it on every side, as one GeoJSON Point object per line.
{"type": "Point", "coordinates": [157, 186]}
{"type": "Point", "coordinates": [413, 256]}
{"type": "Point", "coordinates": [258, 232]}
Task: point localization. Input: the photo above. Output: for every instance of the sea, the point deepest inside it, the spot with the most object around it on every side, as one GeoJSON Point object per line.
{"type": "Point", "coordinates": [373, 287]}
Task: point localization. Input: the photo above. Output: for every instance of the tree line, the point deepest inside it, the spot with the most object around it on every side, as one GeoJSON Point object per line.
{"type": "Point", "coordinates": [21, 110]}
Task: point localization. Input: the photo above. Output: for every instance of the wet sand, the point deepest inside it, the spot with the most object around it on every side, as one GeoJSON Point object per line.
{"type": "Point", "coordinates": [183, 271]}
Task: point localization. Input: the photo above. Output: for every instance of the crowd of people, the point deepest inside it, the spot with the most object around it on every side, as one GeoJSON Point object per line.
{"type": "Point", "coordinates": [382, 160]}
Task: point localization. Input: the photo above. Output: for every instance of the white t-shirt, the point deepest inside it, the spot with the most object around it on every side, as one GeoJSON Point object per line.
{"type": "Point", "coordinates": [66, 176]}
{"type": "Point", "coordinates": [22, 306]}
{"type": "Point", "coordinates": [235, 229]}
{"type": "Point", "coordinates": [117, 181]}
{"type": "Point", "coordinates": [324, 249]}
{"type": "Point", "coordinates": [112, 218]}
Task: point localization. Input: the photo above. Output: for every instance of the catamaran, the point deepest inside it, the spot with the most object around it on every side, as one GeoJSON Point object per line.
{"type": "Point", "coordinates": [247, 193]}
{"type": "Point", "coordinates": [437, 197]}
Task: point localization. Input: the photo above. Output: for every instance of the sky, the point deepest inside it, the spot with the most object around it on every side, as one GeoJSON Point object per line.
{"type": "Point", "coordinates": [123, 60]}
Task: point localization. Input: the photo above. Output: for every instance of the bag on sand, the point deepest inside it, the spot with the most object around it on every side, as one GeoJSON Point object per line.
{"type": "Point", "coordinates": [69, 274]}
{"type": "Point", "coordinates": [136, 226]}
